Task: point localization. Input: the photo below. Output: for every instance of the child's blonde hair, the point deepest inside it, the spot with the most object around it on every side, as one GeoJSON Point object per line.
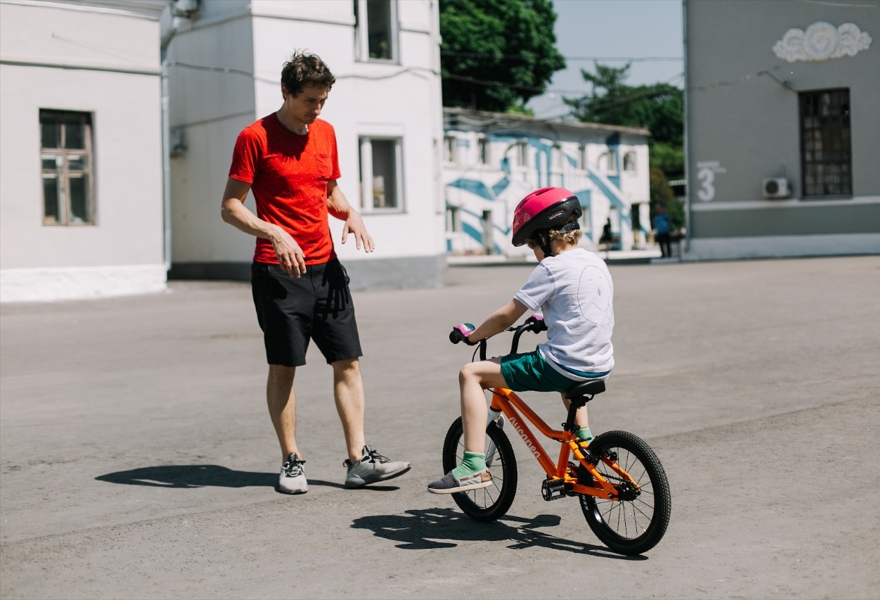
{"type": "Point", "coordinates": [571, 237]}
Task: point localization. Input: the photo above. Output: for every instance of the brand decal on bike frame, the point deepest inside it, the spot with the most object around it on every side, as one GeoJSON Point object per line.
{"type": "Point", "coordinates": [525, 438]}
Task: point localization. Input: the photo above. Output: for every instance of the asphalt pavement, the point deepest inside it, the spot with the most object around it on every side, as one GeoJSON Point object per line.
{"type": "Point", "coordinates": [137, 459]}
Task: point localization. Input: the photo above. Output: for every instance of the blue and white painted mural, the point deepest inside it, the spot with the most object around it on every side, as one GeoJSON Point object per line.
{"type": "Point", "coordinates": [492, 161]}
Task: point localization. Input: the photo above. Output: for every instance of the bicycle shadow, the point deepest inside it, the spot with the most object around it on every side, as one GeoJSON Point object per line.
{"type": "Point", "coordinates": [198, 476]}
{"type": "Point", "coordinates": [443, 528]}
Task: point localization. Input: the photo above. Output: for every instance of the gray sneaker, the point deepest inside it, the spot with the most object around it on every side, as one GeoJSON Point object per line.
{"type": "Point", "coordinates": [449, 484]}
{"type": "Point", "coordinates": [372, 467]}
{"type": "Point", "coordinates": [292, 479]}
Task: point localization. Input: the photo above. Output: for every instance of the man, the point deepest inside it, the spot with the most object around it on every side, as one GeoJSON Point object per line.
{"type": "Point", "coordinates": [663, 227]}
{"type": "Point", "coordinates": [289, 160]}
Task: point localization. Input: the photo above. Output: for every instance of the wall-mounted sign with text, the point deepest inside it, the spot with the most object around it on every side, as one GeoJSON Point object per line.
{"type": "Point", "coordinates": [706, 171]}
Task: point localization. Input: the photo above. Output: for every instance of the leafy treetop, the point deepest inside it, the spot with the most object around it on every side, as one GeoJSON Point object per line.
{"type": "Point", "coordinates": [497, 54]}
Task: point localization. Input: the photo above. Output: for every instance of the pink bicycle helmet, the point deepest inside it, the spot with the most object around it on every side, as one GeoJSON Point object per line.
{"type": "Point", "coordinates": [547, 208]}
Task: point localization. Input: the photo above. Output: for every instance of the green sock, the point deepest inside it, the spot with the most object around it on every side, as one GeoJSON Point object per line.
{"type": "Point", "coordinates": [584, 434]}
{"type": "Point", "coordinates": [473, 462]}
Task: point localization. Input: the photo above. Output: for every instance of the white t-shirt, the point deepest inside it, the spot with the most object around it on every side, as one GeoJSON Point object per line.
{"type": "Point", "coordinates": [575, 293]}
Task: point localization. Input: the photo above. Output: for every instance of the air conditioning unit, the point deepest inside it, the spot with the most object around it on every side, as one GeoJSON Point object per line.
{"type": "Point", "coordinates": [776, 187]}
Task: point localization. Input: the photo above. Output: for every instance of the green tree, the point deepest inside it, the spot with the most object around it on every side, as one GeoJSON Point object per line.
{"type": "Point", "coordinates": [496, 54]}
{"type": "Point", "coordinates": [659, 107]}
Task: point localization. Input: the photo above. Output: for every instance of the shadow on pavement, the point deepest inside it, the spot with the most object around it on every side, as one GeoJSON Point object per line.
{"type": "Point", "coordinates": [443, 528]}
{"type": "Point", "coordinates": [196, 476]}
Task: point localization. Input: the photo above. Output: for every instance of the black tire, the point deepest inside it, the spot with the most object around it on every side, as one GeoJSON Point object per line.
{"type": "Point", "coordinates": [486, 504]}
{"type": "Point", "coordinates": [634, 525]}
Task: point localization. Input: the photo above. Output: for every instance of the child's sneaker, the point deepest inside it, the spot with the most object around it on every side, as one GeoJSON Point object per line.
{"type": "Point", "coordinates": [449, 484]}
{"type": "Point", "coordinates": [292, 479]}
{"type": "Point", "coordinates": [372, 467]}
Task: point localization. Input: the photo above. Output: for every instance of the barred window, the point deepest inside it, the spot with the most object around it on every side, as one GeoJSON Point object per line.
{"type": "Point", "coordinates": [67, 168]}
{"type": "Point", "coordinates": [826, 151]}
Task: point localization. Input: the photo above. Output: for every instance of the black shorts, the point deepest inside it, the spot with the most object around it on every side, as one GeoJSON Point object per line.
{"type": "Point", "coordinates": [315, 306]}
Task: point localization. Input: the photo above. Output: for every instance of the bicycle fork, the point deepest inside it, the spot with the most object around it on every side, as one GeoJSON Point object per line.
{"type": "Point", "coordinates": [490, 449]}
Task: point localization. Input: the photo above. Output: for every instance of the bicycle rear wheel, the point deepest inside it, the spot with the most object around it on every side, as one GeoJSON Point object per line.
{"type": "Point", "coordinates": [485, 504]}
{"type": "Point", "coordinates": [636, 521]}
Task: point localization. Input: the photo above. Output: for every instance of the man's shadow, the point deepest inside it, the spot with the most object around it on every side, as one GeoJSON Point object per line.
{"type": "Point", "coordinates": [197, 476]}
{"type": "Point", "coordinates": [444, 528]}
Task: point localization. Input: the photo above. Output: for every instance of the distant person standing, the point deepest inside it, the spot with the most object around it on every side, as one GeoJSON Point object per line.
{"type": "Point", "coordinates": [607, 237]}
{"type": "Point", "coordinates": [289, 160]}
{"type": "Point", "coordinates": [663, 228]}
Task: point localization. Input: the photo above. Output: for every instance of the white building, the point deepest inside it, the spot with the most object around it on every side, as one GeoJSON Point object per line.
{"type": "Point", "coordinates": [224, 69]}
{"type": "Point", "coordinates": [491, 161]}
{"type": "Point", "coordinates": [80, 154]}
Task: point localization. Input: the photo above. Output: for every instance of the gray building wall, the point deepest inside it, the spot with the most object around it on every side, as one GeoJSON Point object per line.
{"type": "Point", "coordinates": [743, 125]}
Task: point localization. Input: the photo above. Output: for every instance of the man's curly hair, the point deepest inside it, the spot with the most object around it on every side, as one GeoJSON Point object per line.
{"type": "Point", "coordinates": [305, 70]}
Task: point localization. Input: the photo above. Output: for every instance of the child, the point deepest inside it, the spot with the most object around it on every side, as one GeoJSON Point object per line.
{"type": "Point", "coordinates": [574, 289]}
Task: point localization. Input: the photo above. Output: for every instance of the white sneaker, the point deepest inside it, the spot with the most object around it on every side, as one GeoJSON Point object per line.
{"type": "Point", "coordinates": [292, 479]}
{"type": "Point", "coordinates": [372, 467]}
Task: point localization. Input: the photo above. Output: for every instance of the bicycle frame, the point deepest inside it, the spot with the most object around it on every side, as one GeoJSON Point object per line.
{"type": "Point", "coordinates": [507, 402]}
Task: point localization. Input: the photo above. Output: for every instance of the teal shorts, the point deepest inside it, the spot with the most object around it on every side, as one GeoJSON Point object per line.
{"type": "Point", "coordinates": [529, 371]}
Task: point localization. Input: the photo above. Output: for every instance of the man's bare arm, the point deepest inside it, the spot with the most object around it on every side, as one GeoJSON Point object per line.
{"type": "Point", "coordinates": [338, 206]}
{"type": "Point", "coordinates": [233, 211]}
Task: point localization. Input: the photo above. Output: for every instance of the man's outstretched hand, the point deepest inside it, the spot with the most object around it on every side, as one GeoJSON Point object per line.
{"type": "Point", "coordinates": [354, 225]}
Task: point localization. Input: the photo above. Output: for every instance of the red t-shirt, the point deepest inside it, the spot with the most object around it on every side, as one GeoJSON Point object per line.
{"type": "Point", "coordinates": [288, 174]}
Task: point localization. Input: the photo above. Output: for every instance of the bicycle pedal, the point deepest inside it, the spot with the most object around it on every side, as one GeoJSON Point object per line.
{"type": "Point", "coordinates": [552, 489]}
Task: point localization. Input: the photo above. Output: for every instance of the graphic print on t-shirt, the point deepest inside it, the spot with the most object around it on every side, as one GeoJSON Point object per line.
{"type": "Point", "coordinates": [594, 296]}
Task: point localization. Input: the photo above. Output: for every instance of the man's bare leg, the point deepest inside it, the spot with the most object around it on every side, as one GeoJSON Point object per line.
{"type": "Point", "coordinates": [282, 407]}
{"type": "Point", "coordinates": [348, 391]}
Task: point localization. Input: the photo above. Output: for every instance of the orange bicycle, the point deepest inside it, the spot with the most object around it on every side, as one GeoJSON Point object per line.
{"type": "Point", "coordinates": [621, 485]}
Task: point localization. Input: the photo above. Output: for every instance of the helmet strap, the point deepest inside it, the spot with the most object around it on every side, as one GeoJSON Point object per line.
{"type": "Point", "coordinates": [568, 227]}
{"type": "Point", "coordinates": [540, 237]}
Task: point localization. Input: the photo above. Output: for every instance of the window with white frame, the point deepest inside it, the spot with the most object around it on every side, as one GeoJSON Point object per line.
{"type": "Point", "coordinates": [381, 174]}
{"type": "Point", "coordinates": [629, 161]}
{"type": "Point", "coordinates": [449, 149]}
{"type": "Point", "coordinates": [607, 162]}
{"type": "Point", "coordinates": [522, 154]}
{"type": "Point", "coordinates": [582, 157]}
{"type": "Point", "coordinates": [67, 168]}
{"type": "Point", "coordinates": [612, 161]}
{"type": "Point", "coordinates": [375, 29]}
{"type": "Point", "coordinates": [556, 175]}
{"type": "Point", "coordinates": [485, 150]}
{"type": "Point", "coordinates": [556, 158]}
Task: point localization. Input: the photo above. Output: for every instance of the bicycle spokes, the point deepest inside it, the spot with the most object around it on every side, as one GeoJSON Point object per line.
{"type": "Point", "coordinates": [634, 517]}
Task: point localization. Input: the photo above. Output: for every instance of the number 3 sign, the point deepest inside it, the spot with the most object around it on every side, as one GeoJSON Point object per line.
{"type": "Point", "coordinates": [706, 174]}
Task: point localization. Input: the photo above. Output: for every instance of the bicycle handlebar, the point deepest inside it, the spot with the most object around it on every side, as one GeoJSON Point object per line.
{"type": "Point", "coordinates": [458, 333]}
{"type": "Point", "coordinates": [534, 323]}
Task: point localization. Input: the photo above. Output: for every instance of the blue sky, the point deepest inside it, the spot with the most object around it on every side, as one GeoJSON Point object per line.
{"type": "Point", "coordinates": [613, 28]}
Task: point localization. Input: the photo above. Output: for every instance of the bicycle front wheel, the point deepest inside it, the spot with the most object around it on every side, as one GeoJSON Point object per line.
{"type": "Point", "coordinates": [634, 522]}
{"type": "Point", "coordinates": [490, 503]}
